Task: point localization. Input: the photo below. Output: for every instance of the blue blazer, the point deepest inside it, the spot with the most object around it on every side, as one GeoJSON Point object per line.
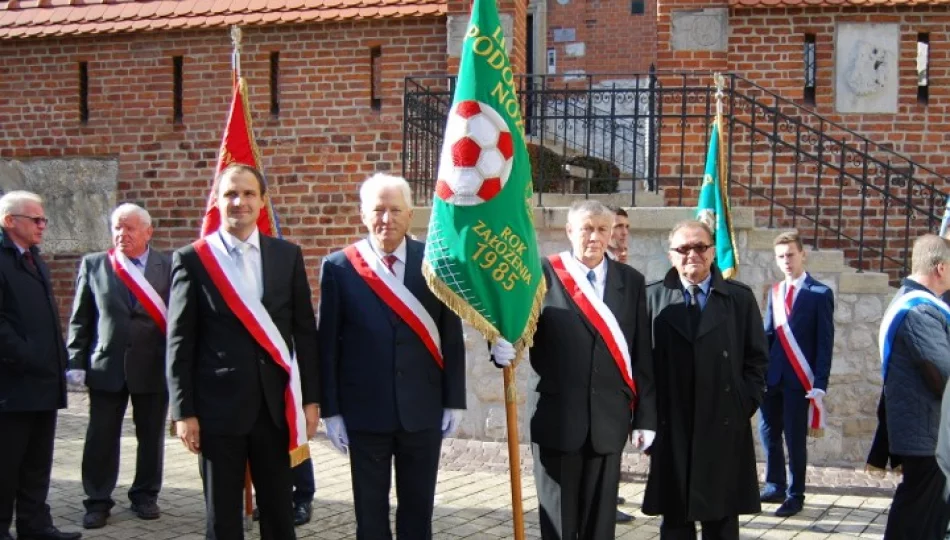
{"type": "Point", "coordinates": [375, 370]}
{"type": "Point", "coordinates": [812, 323]}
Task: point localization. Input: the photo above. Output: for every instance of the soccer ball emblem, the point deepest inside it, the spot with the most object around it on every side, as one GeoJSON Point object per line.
{"type": "Point", "coordinates": [476, 155]}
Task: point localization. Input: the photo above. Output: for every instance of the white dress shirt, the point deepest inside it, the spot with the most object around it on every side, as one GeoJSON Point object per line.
{"type": "Point", "coordinates": [249, 261]}
{"type": "Point", "coordinates": [399, 267]}
{"type": "Point", "coordinates": [798, 284]}
{"type": "Point", "coordinates": [600, 275]}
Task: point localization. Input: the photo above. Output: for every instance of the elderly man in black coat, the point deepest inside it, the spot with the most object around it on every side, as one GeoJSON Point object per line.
{"type": "Point", "coordinates": [32, 367]}
{"type": "Point", "coordinates": [710, 357]}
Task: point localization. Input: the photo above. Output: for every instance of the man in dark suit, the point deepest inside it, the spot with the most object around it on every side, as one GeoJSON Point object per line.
{"type": "Point", "coordinates": [227, 391]}
{"type": "Point", "coordinates": [117, 347]}
{"type": "Point", "coordinates": [592, 353]}
{"type": "Point", "coordinates": [393, 386]}
{"type": "Point", "coordinates": [32, 364]}
{"type": "Point", "coordinates": [710, 356]}
{"type": "Point", "coordinates": [797, 376]}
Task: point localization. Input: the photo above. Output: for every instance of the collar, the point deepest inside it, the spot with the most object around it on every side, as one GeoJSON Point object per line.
{"type": "Point", "coordinates": [798, 283]}
{"type": "Point", "coordinates": [673, 282]}
{"type": "Point", "coordinates": [600, 271]}
{"type": "Point", "coordinates": [143, 258]}
{"type": "Point", "coordinates": [910, 284]}
{"type": "Point", "coordinates": [703, 285]}
{"type": "Point", "coordinates": [230, 241]}
{"type": "Point", "coordinates": [400, 252]}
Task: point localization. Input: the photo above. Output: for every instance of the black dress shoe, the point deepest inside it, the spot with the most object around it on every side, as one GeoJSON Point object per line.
{"type": "Point", "coordinates": [51, 533]}
{"type": "Point", "coordinates": [623, 517]}
{"type": "Point", "coordinates": [146, 510]}
{"type": "Point", "coordinates": [621, 500]}
{"type": "Point", "coordinates": [771, 495]}
{"type": "Point", "coordinates": [95, 519]}
{"type": "Point", "coordinates": [790, 507]}
{"type": "Point", "coordinates": [302, 513]}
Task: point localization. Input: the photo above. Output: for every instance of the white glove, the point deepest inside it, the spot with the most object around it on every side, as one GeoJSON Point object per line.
{"type": "Point", "coordinates": [817, 394]}
{"type": "Point", "coordinates": [502, 352]}
{"type": "Point", "coordinates": [76, 377]}
{"type": "Point", "coordinates": [336, 432]}
{"type": "Point", "coordinates": [643, 438]}
{"type": "Point", "coordinates": [451, 418]}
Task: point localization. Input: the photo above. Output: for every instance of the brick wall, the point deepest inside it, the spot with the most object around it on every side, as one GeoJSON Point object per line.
{"type": "Point", "coordinates": [326, 139]}
{"type": "Point", "coordinates": [615, 40]}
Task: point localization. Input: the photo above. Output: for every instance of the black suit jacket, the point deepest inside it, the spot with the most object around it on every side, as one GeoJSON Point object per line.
{"type": "Point", "coordinates": [582, 392]}
{"type": "Point", "coordinates": [216, 371]}
{"type": "Point", "coordinates": [376, 371]}
{"type": "Point", "coordinates": [117, 344]}
{"type": "Point", "coordinates": [32, 350]}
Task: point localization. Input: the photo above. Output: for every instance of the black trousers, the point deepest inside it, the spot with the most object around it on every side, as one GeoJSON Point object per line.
{"type": "Point", "coordinates": [919, 510]}
{"type": "Point", "coordinates": [726, 528]}
{"type": "Point", "coordinates": [224, 459]}
{"type": "Point", "coordinates": [26, 460]}
{"type": "Point", "coordinates": [100, 456]}
{"type": "Point", "coordinates": [416, 457]}
{"type": "Point", "coordinates": [577, 493]}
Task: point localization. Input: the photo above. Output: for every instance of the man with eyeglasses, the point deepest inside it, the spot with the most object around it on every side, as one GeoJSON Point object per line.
{"type": "Point", "coordinates": [32, 368]}
{"type": "Point", "coordinates": [800, 328]}
{"type": "Point", "coordinates": [710, 357]}
{"type": "Point", "coordinates": [117, 349]}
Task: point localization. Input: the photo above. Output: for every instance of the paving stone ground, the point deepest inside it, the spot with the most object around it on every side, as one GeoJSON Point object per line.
{"type": "Point", "coordinates": [472, 500]}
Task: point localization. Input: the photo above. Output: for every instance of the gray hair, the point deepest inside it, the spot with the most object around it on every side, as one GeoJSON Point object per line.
{"type": "Point", "coordinates": [14, 201]}
{"type": "Point", "coordinates": [929, 251]}
{"type": "Point", "coordinates": [690, 224]}
{"type": "Point", "coordinates": [129, 209]}
{"type": "Point", "coordinates": [375, 184]}
{"type": "Point", "coordinates": [588, 207]}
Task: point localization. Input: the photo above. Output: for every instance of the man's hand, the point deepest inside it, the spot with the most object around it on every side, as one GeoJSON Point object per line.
{"type": "Point", "coordinates": [76, 377]}
{"type": "Point", "coordinates": [451, 418]}
{"type": "Point", "coordinates": [336, 432]}
{"type": "Point", "coordinates": [642, 438]}
{"type": "Point", "coordinates": [817, 394]}
{"type": "Point", "coordinates": [189, 433]}
{"type": "Point", "coordinates": [502, 353]}
{"type": "Point", "coordinates": [312, 412]}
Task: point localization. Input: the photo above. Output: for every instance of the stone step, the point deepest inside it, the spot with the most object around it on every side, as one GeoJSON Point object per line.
{"type": "Point", "coordinates": [623, 199]}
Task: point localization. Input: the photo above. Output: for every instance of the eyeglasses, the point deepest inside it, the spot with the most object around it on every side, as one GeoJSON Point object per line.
{"type": "Point", "coordinates": [698, 248]}
{"type": "Point", "coordinates": [37, 220]}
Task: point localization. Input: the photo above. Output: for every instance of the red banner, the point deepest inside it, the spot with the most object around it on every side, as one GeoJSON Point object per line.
{"type": "Point", "coordinates": [238, 146]}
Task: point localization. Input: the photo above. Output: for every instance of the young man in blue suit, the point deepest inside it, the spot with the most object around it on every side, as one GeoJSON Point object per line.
{"type": "Point", "coordinates": [799, 325]}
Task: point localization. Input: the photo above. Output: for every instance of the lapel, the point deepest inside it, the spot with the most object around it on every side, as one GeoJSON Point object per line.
{"type": "Point", "coordinates": [413, 278]}
{"type": "Point", "coordinates": [675, 305]}
{"type": "Point", "coordinates": [613, 289]}
{"type": "Point", "coordinates": [716, 310]}
{"type": "Point", "coordinates": [269, 272]}
{"type": "Point", "coordinates": [804, 296]}
{"type": "Point", "coordinates": [121, 296]}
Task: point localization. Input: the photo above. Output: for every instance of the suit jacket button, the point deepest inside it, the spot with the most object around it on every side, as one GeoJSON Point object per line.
{"type": "Point", "coordinates": [726, 421]}
{"type": "Point", "coordinates": [593, 391]}
{"type": "Point", "coordinates": [725, 354]}
{"type": "Point", "coordinates": [727, 388]}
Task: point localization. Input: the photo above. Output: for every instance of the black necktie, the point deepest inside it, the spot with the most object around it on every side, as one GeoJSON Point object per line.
{"type": "Point", "coordinates": [694, 309]}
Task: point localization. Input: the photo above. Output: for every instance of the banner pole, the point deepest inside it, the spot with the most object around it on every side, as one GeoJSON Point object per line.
{"type": "Point", "coordinates": [514, 451]}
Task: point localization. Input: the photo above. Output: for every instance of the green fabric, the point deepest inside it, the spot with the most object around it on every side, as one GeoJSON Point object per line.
{"type": "Point", "coordinates": [713, 207]}
{"type": "Point", "coordinates": [482, 259]}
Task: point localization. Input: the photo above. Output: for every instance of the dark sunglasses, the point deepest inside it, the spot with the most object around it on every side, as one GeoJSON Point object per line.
{"type": "Point", "coordinates": [698, 248]}
{"type": "Point", "coordinates": [38, 220]}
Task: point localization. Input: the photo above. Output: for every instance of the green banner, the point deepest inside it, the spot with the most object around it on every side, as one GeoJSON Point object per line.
{"type": "Point", "coordinates": [481, 255]}
{"type": "Point", "coordinates": [713, 207]}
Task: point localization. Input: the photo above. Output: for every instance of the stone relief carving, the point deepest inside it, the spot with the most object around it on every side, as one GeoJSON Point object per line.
{"type": "Point", "coordinates": [700, 30]}
{"type": "Point", "coordinates": [866, 58]}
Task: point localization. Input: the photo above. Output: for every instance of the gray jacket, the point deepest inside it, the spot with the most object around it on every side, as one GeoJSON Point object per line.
{"type": "Point", "coordinates": [917, 375]}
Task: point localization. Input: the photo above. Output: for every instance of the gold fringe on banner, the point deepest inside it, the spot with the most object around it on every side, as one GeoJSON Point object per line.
{"type": "Point", "coordinates": [299, 455]}
{"type": "Point", "coordinates": [464, 310]}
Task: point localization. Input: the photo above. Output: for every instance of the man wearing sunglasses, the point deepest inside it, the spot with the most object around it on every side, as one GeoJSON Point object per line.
{"type": "Point", "coordinates": [710, 357]}
{"type": "Point", "coordinates": [32, 368]}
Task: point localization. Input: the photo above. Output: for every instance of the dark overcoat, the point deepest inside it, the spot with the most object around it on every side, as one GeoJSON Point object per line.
{"type": "Point", "coordinates": [703, 460]}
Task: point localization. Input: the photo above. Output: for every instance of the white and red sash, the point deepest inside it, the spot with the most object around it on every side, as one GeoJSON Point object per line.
{"type": "Point", "coordinates": [248, 308]}
{"type": "Point", "coordinates": [396, 295]}
{"type": "Point", "coordinates": [596, 311]}
{"type": "Point", "coordinates": [134, 279]}
{"type": "Point", "coordinates": [816, 410]}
